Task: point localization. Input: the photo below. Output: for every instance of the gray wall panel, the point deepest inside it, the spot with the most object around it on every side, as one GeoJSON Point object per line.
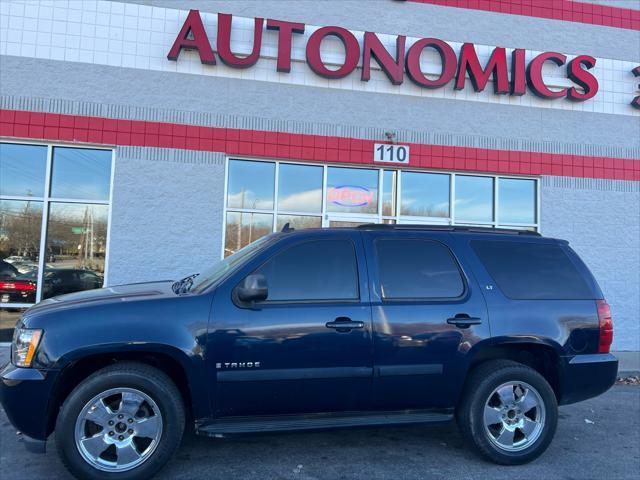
{"type": "Point", "coordinates": [422, 20]}
{"type": "Point", "coordinates": [22, 77]}
{"type": "Point", "coordinates": [166, 214]}
{"type": "Point", "coordinates": [601, 220]}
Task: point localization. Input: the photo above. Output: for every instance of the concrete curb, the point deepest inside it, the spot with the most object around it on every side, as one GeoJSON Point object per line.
{"type": "Point", "coordinates": [629, 363]}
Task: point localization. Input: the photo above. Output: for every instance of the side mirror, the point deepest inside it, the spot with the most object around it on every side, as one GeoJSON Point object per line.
{"type": "Point", "coordinates": [252, 289]}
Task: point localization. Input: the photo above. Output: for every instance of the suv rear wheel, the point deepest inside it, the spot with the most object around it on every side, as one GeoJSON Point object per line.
{"type": "Point", "coordinates": [124, 421]}
{"type": "Point", "coordinates": [508, 412]}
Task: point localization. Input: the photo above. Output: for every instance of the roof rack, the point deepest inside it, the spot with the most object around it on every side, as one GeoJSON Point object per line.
{"type": "Point", "coordinates": [446, 228]}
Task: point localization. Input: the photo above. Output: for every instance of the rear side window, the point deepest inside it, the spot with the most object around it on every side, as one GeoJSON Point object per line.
{"type": "Point", "coordinates": [532, 271]}
{"type": "Point", "coordinates": [417, 269]}
{"type": "Point", "coordinates": [313, 271]}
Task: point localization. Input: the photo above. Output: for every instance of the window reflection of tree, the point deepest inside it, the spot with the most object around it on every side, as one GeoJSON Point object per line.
{"type": "Point", "coordinates": [426, 211]}
{"type": "Point", "coordinates": [78, 235]}
{"type": "Point", "coordinates": [244, 228]}
{"type": "Point", "coordinates": [20, 223]}
{"type": "Point", "coordinates": [298, 222]}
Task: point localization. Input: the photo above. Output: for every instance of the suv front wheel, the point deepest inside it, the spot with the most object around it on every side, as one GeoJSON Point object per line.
{"type": "Point", "coordinates": [124, 421]}
{"type": "Point", "coordinates": [508, 412]}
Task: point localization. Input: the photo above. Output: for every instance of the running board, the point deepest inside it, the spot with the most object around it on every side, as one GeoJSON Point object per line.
{"type": "Point", "coordinates": [315, 421]}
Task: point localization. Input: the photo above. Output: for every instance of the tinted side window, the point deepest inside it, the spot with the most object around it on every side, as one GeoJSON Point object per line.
{"type": "Point", "coordinates": [415, 268]}
{"type": "Point", "coordinates": [313, 270]}
{"type": "Point", "coordinates": [532, 271]}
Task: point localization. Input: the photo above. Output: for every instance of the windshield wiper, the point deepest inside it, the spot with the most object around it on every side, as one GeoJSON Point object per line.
{"type": "Point", "coordinates": [184, 285]}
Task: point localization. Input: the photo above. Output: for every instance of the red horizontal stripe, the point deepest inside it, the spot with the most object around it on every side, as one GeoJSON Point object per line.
{"type": "Point", "coordinates": [566, 10]}
{"type": "Point", "coordinates": [301, 147]}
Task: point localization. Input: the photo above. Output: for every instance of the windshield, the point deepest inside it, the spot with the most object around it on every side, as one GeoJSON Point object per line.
{"type": "Point", "coordinates": [220, 269]}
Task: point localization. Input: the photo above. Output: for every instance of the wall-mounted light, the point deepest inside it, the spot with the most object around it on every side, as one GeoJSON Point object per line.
{"type": "Point", "coordinates": [391, 137]}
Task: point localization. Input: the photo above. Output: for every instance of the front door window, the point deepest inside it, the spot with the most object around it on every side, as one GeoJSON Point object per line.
{"type": "Point", "coordinates": [352, 190]}
{"type": "Point", "coordinates": [348, 221]}
{"type": "Point", "coordinates": [320, 270]}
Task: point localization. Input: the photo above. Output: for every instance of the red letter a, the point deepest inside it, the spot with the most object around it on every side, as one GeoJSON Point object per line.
{"type": "Point", "coordinates": [193, 25]}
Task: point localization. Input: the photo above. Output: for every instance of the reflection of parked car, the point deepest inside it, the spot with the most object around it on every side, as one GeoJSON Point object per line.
{"type": "Point", "coordinates": [16, 258]}
{"type": "Point", "coordinates": [62, 280]}
{"type": "Point", "coordinates": [13, 287]}
{"type": "Point", "coordinates": [25, 266]}
{"type": "Point", "coordinates": [21, 288]}
{"type": "Point", "coordinates": [7, 270]}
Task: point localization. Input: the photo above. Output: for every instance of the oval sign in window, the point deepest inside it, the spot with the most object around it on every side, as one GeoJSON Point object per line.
{"type": "Point", "coordinates": [350, 196]}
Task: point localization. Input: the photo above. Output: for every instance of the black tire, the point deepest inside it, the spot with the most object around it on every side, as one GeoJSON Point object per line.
{"type": "Point", "coordinates": [144, 378]}
{"type": "Point", "coordinates": [482, 381]}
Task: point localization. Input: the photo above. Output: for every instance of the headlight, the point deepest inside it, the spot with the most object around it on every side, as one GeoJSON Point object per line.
{"type": "Point", "coordinates": [25, 343]}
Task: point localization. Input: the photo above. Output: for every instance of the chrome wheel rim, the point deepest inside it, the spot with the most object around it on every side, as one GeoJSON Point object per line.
{"type": "Point", "coordinates": [118, 429]}
{"type": "Point", "coordinates": [514, 416]}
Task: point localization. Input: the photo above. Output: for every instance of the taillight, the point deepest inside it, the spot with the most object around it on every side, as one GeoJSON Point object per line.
{"type": "Point", "coordinates": [606, 326]}
{"type": "Point", "coordinates": [18, 286]}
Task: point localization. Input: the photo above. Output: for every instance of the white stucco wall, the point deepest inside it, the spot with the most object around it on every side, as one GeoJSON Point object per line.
{"type": "Point", "coordinates": [601, 221]}
{"type": "Point", "coordinates": [166, 219]}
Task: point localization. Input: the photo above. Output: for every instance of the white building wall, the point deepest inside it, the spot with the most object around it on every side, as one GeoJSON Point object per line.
{"type": "Point", "coordinates": [127, 35]}
{"type": "Point", "coordinates": [166, 220]}
{"type": "Point", "coordinates": [601, 221]}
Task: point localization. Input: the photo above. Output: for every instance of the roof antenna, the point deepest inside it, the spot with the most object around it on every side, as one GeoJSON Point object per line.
{"type": "Point", "coordinates": [287, 228]}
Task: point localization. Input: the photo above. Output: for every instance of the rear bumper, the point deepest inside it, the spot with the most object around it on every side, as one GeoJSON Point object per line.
{"type": "Point", "coordinates": [24, 395]}
{"type": "Point", "coordinates": [587, 376]}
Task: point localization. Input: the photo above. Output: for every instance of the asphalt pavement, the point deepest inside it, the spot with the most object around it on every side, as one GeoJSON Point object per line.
{"type": "Point", "coordinates": [596, 439]}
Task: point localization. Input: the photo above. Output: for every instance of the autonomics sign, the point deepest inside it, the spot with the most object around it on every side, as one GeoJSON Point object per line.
{"type": "Point", "coordinates": [405, 60]}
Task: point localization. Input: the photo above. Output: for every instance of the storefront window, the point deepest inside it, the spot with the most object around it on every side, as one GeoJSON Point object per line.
{"type": "Point", "coordinates": [352, 190]}
{"type": "Point", "coordinates": [76, 248]}
{"type": "Point", "coordinates": [251, 185]}
{"type": "Point", "coordinates": [22, 169]}
{"type": "Point", "coordinates": [244, 228]}
{"type": "Point", "coordinates": [298, 221]}
{"type": "Point", "coordinates": [474, 199]}
{"type": "Point", "coordinates": [264, 196]}
{"type": "Point", "coordinates": [20, 226]}
{"type": "Point", "coordinates": [70, 216]}
{"type": "Point", "coordinates": [299, 188]}
{"type": "Point", "coordinates": [425, 195]}
{"type": "Point", "coordinates": [81, 173]}
{"type": "Point", "coordinates": [517, 201]}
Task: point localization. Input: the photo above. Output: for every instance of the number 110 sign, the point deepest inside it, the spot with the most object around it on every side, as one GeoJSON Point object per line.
{"type": "Point", "coordinates": [391, 153]}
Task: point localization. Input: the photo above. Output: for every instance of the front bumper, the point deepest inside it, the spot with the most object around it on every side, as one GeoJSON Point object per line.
{"type": "Point", "coordinates": [24, 395]}
{"type": "Point", "coordinates": [587, 376]}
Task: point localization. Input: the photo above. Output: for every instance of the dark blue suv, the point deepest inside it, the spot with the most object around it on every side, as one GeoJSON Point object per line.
{"type": "Point", "coordinates": [312, 329]}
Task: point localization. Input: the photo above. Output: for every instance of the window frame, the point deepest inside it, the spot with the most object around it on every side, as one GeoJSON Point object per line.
{"type": "Point", "coordinates": [330, 301]}
{"type": "Point", "coordinates": [326, 215]}
{"type": "Point", "coordinates": [47, 200]}
{"type": "Point", "coordinates": [391, 300]}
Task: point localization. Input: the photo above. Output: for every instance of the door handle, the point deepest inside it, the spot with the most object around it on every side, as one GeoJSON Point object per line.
{"type": "Point", "coordinates": [462, 320]}
{"type": "Point", "coordinates": [344, 324]}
